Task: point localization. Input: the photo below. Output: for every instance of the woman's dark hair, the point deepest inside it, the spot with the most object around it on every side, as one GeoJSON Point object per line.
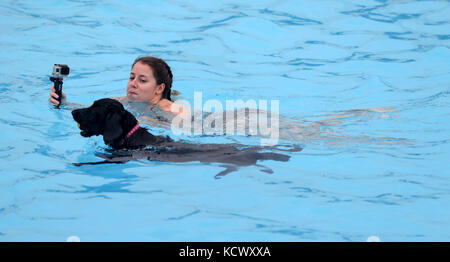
{"type": "Point", "coordinates": [161, 72]}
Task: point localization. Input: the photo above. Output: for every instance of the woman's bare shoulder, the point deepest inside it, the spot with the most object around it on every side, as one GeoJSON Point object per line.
{"type": "Point", "coordinates": [165, 104]}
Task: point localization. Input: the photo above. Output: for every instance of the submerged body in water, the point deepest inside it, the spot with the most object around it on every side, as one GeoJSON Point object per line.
{"type": "Point", "coordinates": [229, 156]}
{"type": "Point", "coordinates": [324, 129]}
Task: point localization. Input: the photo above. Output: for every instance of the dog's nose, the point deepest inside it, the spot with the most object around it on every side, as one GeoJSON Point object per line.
{"type": "Point", "coordinates": [75, 113]}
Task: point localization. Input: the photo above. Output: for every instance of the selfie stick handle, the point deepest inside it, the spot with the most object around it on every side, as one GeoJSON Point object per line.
{"type": "Point", "coordinates": [58, 88]}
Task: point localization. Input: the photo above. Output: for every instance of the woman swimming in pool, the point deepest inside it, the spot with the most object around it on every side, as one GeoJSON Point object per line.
{"type": "Point", "coordinates": [150, 81]}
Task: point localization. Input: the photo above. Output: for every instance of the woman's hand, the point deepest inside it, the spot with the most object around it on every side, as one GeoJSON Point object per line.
{"type": "Point", "coordinates": [54, 97]}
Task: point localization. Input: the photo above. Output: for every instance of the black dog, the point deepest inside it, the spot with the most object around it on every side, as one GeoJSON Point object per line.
{"type": "Point", "coordinates": [121, 130]}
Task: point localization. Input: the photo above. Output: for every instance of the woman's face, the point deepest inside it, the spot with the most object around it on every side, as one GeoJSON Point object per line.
{"type": "Point", "coordinates": [142, 85]}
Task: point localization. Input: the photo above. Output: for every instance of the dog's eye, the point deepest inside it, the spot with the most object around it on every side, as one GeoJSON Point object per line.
{"type": "Point", "coordinates": [92, 117]}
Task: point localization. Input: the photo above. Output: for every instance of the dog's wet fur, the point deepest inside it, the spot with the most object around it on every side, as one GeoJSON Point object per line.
{"type": "Point", "coordinates": [108, 117]}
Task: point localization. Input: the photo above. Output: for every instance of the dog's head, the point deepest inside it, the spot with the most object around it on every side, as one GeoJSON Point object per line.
{"type": "Point", "coordinates": [105, 117]}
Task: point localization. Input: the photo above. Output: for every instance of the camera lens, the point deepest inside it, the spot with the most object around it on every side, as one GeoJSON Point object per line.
{"type": "Point", "coordinates": [65, 70]}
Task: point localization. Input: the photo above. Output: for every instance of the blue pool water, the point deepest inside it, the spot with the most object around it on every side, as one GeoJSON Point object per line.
{"type": "Point", "coordinates": [363, 86]}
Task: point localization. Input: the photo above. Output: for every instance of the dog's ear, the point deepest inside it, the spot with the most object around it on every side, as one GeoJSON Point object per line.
{"type": "Point", "coordinates": [113, 127]}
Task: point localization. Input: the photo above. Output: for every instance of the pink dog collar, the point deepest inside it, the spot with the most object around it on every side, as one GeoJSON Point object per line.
{"type": "Point", "coordinates": [132, 131]}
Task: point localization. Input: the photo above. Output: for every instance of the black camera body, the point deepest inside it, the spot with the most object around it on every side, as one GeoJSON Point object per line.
{"type": "Point", "coordinates": [59, 72]}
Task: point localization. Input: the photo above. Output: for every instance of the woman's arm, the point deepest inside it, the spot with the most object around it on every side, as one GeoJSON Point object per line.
{"type": "Point", "coordinates": [153, 122]}
{"type": "Point", "coordinates": [53, 99]}
{"type": "Point", "coordinates": [121, 99]}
